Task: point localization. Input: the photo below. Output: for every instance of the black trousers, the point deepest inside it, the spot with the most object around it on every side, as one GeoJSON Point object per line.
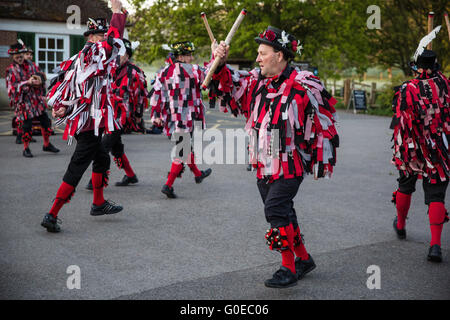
{"type": "Point", "coordinates": [43, 119]}
{"type": "Point", "coordinates": [278, 200]}
{"type": "Point", "coordinates": [433, 192]}
{"type": "Point", "coordinates": [113, 143]}
{"type": "Point", "coordinates": [89, 149]}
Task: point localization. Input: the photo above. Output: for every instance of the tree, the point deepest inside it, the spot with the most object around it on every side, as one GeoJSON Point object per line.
{"type": "Point", "coordinates": [404, 24]}
{"type": "Point", "coordinates": [168, 21]}
{"type": "Point", "coordinates": [334, 34]}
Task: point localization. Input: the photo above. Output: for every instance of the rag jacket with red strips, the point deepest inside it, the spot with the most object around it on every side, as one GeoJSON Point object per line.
{"type": "Point", "coordinates": [84, 85]}
{"type": "Point", "coordinates": [421, 126]}
{"type": "Point", "coordinates": [26, 100]}
{"type": "Point", "coordinates": [176, 97]}
{"type": "Point", "coordinates": [290, 120]}
{"type": "Point", "coordinates": [130, 95]}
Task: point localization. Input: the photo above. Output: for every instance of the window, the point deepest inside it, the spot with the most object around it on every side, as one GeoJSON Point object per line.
{"type": "Point", "coordinates": [51, 50]}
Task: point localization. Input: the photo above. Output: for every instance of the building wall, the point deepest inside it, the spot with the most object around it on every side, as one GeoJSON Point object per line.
{"type": "Point", "coordinates": [9, 30]}
{"type": "Point", "coordinates": [6, 39]}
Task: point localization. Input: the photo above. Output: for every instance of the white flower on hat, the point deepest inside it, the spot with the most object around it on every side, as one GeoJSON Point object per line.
{"type": "Point", "coordinates": [135, 44]}
{"type": "Point", "coordinates": [284, 39]}
{"type": "Point", "coordinates": [299, 50]}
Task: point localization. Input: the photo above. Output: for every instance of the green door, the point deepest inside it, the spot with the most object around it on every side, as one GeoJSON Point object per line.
{"type": "Point", "coordinates": [76, 44]}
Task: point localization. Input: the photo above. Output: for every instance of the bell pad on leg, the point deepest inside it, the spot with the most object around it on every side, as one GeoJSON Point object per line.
{"type": "Point", "coordinates": [277, 239]}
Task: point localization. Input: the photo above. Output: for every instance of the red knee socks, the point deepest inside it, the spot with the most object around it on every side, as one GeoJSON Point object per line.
{"type": "Point", "coordinates": [299, 248]}
{"type": "Point", "coordinates": [436, 215]}
{"type": "Point", "coordinates": [287, 256]}
{"type": "Point", "coordinates": [175, 170]}
{"type": "Point", "coordinates": [63, 195]}
{"type": "Point", "coordinates": [403, 202]}
{"type": "Point", "coordinates": [26, 139]}
{"type": "Point", "coordinates": [193, 166]}
{"type": "Point", "coordinates": [126, 166]}
{"type": "Point", "coordinates": [97, 184]}
{"type": "Point", "coordinates": [45, 136]}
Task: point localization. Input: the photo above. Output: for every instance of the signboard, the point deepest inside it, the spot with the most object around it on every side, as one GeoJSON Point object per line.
{"type": "Point", "coordinates": [359, 100]}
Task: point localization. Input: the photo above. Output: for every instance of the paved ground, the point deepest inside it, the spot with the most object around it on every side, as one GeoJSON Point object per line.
{"type": "Point", "coordinates": [209, 243]}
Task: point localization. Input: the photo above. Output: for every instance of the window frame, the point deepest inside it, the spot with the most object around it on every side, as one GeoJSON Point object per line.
{"type": "Point", "coordinates": [65, 50]}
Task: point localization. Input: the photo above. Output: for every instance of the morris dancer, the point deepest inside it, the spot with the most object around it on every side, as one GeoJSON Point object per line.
{"type": "Point", "coordinates": [292, 122]}
{"type": "Point", "coordinates": [130, 100]}
{"type": "Point", "coordinates": [421, 126]}
{"type": "Point", "coordinates": [82, 97]}
{"type": "Point", "coordinates": [176, 103]}
{"type": "Point", "coordinates": [26, 91]}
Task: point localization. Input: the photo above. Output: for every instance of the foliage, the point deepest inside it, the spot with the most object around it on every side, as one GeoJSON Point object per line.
{"type": "Point", "coordinates": [334, 33]}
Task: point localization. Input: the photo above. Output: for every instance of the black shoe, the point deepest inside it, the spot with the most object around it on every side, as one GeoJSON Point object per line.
{"type": "Point", "coordinates": [50, 148]}
{"type": "Point", "coordinates": [401, 234]}
{"type": "Point", "coordinates": [250, 167]}
{"type": "Point", "coordinates": [89, 185]}
{"type": "Point", "coordinates": [168, 191]}
{"type": "Point", "coordinates": [302, 267]}
{"type": "Point", "coordinates": [50, 223]}
{"type": "Point", "coordinates": [435, 254]}
{"type": "Point", "coordinates": [106, 208]}
{"type": "Point", "coordinates": [205, 173]}
{"type": "Point", "coordinates": [27, 153]}
{"type": "Point", "coordinates": [33, 140]}
{"type": "Point", "coordinates": [282, 278]}
{"type": "Point", "coordinates": [127, 180]}
{"type": "Point", "coordinates": [19, 139]}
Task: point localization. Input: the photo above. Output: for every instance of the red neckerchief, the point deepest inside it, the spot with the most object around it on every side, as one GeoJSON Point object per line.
{"type": "Point", "coordinates": [274, 78]}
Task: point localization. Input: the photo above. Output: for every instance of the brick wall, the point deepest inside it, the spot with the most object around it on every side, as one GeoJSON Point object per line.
{"type": "Point", "coordinates": [7, 38]}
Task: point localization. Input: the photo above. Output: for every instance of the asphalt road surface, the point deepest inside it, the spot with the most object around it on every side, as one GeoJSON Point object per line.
{"type": "Point", "coordinates": [209, 243]}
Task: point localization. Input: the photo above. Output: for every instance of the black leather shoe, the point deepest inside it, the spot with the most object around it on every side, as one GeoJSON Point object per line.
{"type": "Point", "coordinates": [50, 223]}
{"type": "Point", "coordinates": [27, 153]}
{"type": "Point", "coordinates": [302, 267]}
{"type": "Point", "coordinates": [205, 173]}
{"type": "Point", "coordinates": [33, 140]}
{"type": "Point", "coordinates": [108, 207]}
{"type": "Point", "coordinates": [168, 191]}
{"type": "Point", "coordinates": [50, 148]}
{"type": "Point", "coordinates": [19, 139]}
{"type": "Point", "coordinates": [401, 234]}
{"type": "Point", "coordinates": [283, 278]}
{"type": "Point", "coordinates": [435, 254]}
{"type": "Point", "coordinates": [89, 185]}
{"type": "Point", "coordinates": [127, 180]}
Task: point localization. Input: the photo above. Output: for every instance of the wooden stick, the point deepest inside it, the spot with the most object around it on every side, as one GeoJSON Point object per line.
{"type": "Point", "coordinates": [430, 27]}
{"type": "Point", "coordinates": [211, 36]}
{"type": "Point", "coordinates": [447, 23]}
{"type": "Point", "coordinates": [228, 39]}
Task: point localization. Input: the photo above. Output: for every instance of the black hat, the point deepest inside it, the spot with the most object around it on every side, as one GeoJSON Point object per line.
{"type": "Point", "coordinates": [427, 60]}
{"type": "Point", "coordinates": [98, 25]}
{"type": "Point", "coordinates": [18, 47]}
{"type": "Point", "coordinates": [280, 40]}
{"type": "Point", "coordinates": [128, 47]}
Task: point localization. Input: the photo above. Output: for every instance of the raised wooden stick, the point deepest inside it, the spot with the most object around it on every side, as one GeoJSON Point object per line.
{"type": "Point", "coordinates": [211, 36]}
{"type": "Point", "coordinates": [430, 27]}
{"type": "Point", "coordinates": [228, 39]}
{"type": "Point", "coordinates": [447, 23]}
